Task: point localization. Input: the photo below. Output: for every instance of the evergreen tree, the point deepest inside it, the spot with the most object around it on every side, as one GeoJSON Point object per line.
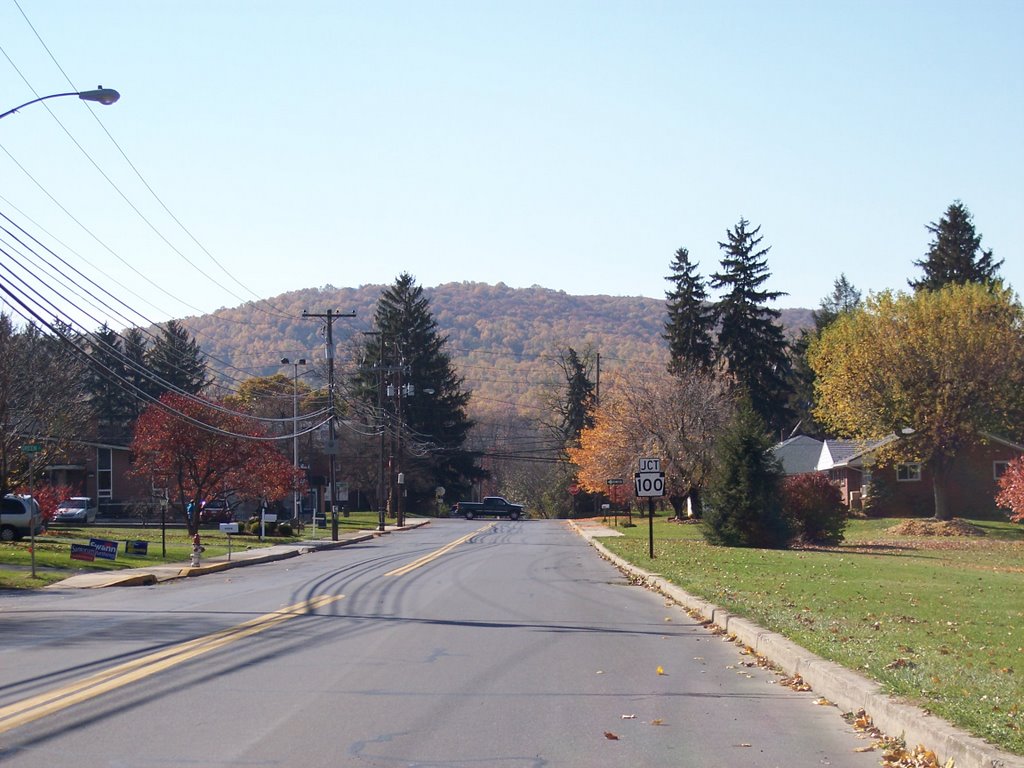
{"type": "Point", "coordinates": [577, 411]}
{"type": "Point", "coordinates": [955, 254]}
{"type": "Point", "coordinates": [691, 319]}
{"type": "Point", "coordinates": [112, 400]}
{"type": "Point", "coordinates": [750, 338]}
{"type": "Point", "coordinates": [434, 423]}
{"type": "Point", "coordinates": [176, 361]}
{"type": "Point", "coordinates": [744, 507]}
{"type": "Point", "coordinates": [136, 372]}
{"type": "Point", "coordinates": [844, 298]}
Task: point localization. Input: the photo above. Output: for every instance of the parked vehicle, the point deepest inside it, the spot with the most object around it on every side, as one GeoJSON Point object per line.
{"type": "Point", "coordinates": [494, 506]}
{"type": "Point", "coordinates": [19, 517]}
{"type": "Point", "coordinates": [77, 509]}
{"type": "Point", "coordinates": [219, 510]}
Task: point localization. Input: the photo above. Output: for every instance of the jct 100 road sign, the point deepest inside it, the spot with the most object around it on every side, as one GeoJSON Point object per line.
{"type": "Point", "coordinates": [649, 483]}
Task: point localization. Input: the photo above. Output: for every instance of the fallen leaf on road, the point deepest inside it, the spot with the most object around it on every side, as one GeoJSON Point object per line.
{"type": "Point", "coordinates": [610, 736]}
{"type": "Point", "coordinates": [657, 721]}
{"type": "Point", "coordinates": [661, 671]}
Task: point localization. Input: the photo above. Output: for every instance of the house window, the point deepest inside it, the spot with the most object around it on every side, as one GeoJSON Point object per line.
{"type": "Point", "coordinates": [908, 473]}
{"type": "Point", "coordinates": [999, 469]}
{"type": "Point", "coordinates": [104, 473]}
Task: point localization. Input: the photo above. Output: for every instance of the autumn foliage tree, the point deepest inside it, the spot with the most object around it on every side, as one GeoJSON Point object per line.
{"type": "Point", "coordinates": [938, 368]}
{"type": "Point", "coordinates": [675, 418]}
{"type": "Point", "coordinates": [203, 451]}
{"type": "Point", "coordinates": [1011, 490]}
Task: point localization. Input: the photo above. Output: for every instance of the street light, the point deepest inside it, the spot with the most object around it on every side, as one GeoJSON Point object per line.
{"type": "Point", "coordinates": [101, 95]}
{"type": "Point", "coordinates": [295, 431]}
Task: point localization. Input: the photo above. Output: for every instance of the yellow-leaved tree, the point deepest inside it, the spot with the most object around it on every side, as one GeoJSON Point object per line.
{"type": "Point", "coordinates": [936, 368]}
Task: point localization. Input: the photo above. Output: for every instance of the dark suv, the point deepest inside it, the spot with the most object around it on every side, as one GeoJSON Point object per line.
{"type": "Point", "coordinates": [217, 511]}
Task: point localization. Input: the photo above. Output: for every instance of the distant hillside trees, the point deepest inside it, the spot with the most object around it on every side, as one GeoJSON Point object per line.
{"type": "Point", "coordinates": [750, 338]}
{"type": "Point", "coordinates": [955, 254]}
{"type": "Point", "coordinates": [425, 403]}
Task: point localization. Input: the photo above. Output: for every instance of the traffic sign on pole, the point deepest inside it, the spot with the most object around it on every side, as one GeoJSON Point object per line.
{"type": "Point", "coordinates": [649, 483]}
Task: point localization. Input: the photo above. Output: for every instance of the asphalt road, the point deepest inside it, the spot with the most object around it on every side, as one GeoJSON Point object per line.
{"type": "Point", "coordinates": [462, 643]}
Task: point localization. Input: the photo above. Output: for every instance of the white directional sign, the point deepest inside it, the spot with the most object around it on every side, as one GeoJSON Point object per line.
{"type": "Point", "coordinates": [649, 483]}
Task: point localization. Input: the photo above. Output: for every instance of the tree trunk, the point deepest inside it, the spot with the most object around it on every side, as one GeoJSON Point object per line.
{"type": "Point", "coordinates": [677, 505]}
{"type": "Point", "coordinates": [940, 471]}
{"type": "Point", "coordinates": [696, 503]}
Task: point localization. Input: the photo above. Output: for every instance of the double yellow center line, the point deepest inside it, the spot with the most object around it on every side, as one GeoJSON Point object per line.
{"type": "Point", "coordinates": [437, 553]}
{"type": "Point", "coordinates": [36, 707]}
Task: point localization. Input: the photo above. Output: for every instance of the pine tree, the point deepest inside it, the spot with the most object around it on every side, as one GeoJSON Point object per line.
{"type": "Point", "coordinates": [434, 423]}
{"type": "Point", "coordinates": [176, 361]}
{"type": "Point", "coordinates": [750, 338]}
{"type": "Point", "coordinates": [844, 298]}
{"type": "Point", "coordinates": [577, 411]}
{"type": "Point", "coordinates": [136, 372]}
{"type": "Point", "coordinates": [688, 329]}
{"type": "Point", "coordinates": [106, 384]}
{"type": "Point", "coordinates": [744, 503]}
{"type": "Point", "coordinates": [955, 254]}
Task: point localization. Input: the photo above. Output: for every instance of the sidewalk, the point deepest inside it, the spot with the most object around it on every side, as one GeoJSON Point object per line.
{"type": "Point", "coordinates": [155, 574]}
{"type": "Point", "coordinates": [846, 689]}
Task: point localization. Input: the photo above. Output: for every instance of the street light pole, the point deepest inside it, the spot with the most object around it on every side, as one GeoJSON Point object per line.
{"type": "Point", "coordinates": [101, 95]}
{"type": "Point", "coordinates": [296, 508]}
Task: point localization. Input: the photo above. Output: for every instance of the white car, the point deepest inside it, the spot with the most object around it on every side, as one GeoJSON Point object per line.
{"type": "Point", "coordinates": [77, 509]}
{"type": "Point", "coordinates": [19, 516]}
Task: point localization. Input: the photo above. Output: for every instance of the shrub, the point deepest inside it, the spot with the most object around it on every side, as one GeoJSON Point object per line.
{"type": "Point", "coordinates": [1011, 489]}
{"type": "Point", "coordinates": [815, 508]}
{"type": "Point", "coordinates": [284, 529]}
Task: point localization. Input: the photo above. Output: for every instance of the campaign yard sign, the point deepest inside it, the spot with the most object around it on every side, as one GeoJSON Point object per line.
{"type": "Point", "coordinates": [136, 547]}
{"type": "Point", "coordinates": [83, 552]}
{"type": "Point", "coordinates": [105, 550]}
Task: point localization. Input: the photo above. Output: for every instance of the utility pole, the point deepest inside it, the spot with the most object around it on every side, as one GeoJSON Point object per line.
{"type": "Point", "coordinates": [332, 450]}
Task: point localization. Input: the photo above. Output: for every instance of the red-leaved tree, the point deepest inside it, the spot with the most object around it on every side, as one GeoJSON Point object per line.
{"type": "Point", "coordinates": [1011, 489]}
{"type": "Point", "coordinates": [47, 497]}
{"type": "Point", "coordinates": [204, 452]}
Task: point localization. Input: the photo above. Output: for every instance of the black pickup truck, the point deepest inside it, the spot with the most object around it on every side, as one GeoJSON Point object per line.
{"type": "Point", "coordinates": [495, 506]}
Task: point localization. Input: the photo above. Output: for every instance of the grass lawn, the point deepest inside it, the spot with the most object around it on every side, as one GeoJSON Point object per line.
{"type": "Point", "coordinates": [53, 549]}
{"type": "Point", "coordinates": [938, 621]}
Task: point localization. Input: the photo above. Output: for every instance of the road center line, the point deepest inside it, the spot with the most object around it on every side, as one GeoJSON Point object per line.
{"type": "Point", "coordinates": [437, 553]}
{"type": "Point", "coordinates": [36, 707]}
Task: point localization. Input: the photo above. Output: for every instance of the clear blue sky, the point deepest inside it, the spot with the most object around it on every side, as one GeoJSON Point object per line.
{"type": "Point", "coordinates": [572, 145]}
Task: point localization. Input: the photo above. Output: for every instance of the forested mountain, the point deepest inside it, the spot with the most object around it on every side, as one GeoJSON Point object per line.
{"type": "Point", "coordinates": [503, 341]}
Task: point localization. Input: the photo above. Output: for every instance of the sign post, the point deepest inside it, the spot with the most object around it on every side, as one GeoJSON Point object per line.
{"type": "Point", "coordinates": [650, 482]}
{"type": "Point", "coordinates": [31, 449]}
{"type": "Point", "coordinates": [614, 483]}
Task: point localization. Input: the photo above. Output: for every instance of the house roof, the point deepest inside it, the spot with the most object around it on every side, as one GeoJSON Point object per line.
{"type": "Point", "coordinates": [848, 453]}
{"type": "Point", "coordinates": [798, 454]}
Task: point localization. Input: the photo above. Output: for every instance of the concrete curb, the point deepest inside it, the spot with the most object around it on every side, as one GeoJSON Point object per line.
{"type": "Point", "coordinates": [155, 574]}
{"type": "Point", "coordinates": [843, 687]}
